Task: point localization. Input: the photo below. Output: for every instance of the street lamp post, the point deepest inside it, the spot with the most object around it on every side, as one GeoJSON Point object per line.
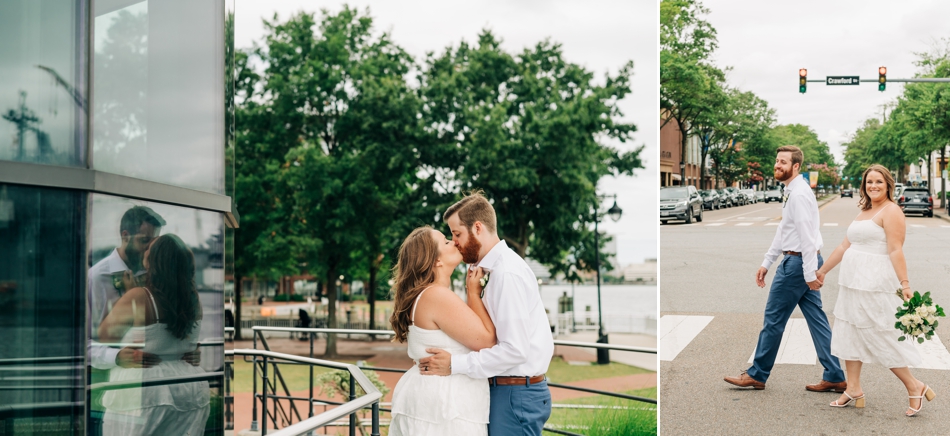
{"type": "Point", "coordinates": [603, 355]}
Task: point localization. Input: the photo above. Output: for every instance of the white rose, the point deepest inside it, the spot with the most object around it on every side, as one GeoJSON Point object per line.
{"type": "Point", "coordinates": [931, 310]}
{"type": "Point", "coordinates": [922, 311]}
{"type": "Point", "coordinates": [917, 332]}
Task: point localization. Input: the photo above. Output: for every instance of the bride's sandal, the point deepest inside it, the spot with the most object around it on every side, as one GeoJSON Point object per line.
{"type": "Point", "coordinates": [858, 401]}
{"type": "Point", "coordinates": [926, 393]}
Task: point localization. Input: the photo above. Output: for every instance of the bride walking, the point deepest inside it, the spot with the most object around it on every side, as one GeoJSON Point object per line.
{"type": "Point", "coordinates": [872, 268]}
{"type": "Point", "coordinates": [429, 315]}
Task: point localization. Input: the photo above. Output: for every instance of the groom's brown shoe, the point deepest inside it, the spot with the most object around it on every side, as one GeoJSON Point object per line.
{"type": "Point", "coordinates": [744, 381]}
{"type": "Point", "coordinates": [827, 386]}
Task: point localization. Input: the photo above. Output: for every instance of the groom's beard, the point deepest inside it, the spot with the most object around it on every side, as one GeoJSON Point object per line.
{"type": "Point", "coordinates": [781, 175]}
{"type": "Point", "coordinates": [470, 251]}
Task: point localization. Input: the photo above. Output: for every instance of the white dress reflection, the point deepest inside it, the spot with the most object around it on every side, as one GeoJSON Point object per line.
{"type": "Point", "coordinates": [162, 317]}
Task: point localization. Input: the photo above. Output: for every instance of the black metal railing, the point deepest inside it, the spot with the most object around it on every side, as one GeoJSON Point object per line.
{"type": "Point", "coordinates": [272, 384]}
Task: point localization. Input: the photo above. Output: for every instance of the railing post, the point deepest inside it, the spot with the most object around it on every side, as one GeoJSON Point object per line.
{"type": "Point", "coordinates": [352, 415]}
{"type": "Point", "coordinates": [311, 373]}
{"type": "Point", "coordinates": [254, 415]}
{"type": "Point", "coordinates": [375, 419]}
{"type": "Point", "coordinates": [264, 397]}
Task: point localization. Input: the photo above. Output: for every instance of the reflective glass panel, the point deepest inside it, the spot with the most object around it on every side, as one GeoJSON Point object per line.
{"type": "Point", "coordinates": [155, 292]}
{"type": "Point", "coordinates": [41, 316]}
{"type": "Point", "coordinates": [159, 91]}
{"type": "Point", "coordinates": [42, 93]}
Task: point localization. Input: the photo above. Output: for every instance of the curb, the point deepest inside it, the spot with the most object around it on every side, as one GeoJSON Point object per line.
{"type": "Point", "coordinates": [942, 214]}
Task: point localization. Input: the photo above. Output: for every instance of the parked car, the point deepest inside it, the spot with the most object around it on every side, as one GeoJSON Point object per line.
{"type": "Point", "coordinates": [759, 196]}
{"type": "Point", "coordinates": [898, 190]}
{"type": "Point", "coordinates": [749, 196]}
{"type": "Point", "coordinates": [711, 199]}
{"type": "Point", "coordinates": [916, 200]}
{"type": "Point", "coordinates": [847, 193]}
{"type": "Point", "coordinates": [737, 197]}
{"type": "Point", "coordinates": [726, 198]}
{"type": "Point", "coordinates": [680, 203]}
{"type": "Point", "coordinates": [773, 195]}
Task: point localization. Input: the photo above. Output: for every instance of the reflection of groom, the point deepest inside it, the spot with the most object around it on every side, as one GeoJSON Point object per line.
{"type": "Point", "coordinates": [795, 283]}
{"type": "Point", "coordinates": [515, 367]}
{"type": "Point", "coordinates": [118, 272]}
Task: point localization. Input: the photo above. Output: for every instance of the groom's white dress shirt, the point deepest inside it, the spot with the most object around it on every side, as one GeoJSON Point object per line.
{"type": "Point", "coordinates": [798, 230]}
{"type": "Point", "coordinates": [525, 345]}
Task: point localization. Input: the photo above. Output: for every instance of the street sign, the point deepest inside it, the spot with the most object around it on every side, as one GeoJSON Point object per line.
{"type": "Point", "coordinates": [842, 80]}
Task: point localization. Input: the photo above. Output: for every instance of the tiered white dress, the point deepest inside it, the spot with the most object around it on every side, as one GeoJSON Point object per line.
{"type": "Point", "coordinates": [175, 409]}
{"type": "Point", "coordinates": [431, 405]}
{"type": "Point", "coordinates": [867, 301]}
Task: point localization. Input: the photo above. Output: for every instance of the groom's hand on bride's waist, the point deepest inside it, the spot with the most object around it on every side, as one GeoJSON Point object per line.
{"type": "Point", "coordinates": [439, 363]}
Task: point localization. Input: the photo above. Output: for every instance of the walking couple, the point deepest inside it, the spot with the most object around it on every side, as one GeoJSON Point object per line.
{"type": "Point", "coordinates": [872, 268]}
{"type": "Point", "coordinates": [480, 364]}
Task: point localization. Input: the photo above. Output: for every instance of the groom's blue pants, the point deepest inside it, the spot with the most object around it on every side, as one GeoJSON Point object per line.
{"type": "Point", "coordinates": [788, 290]}
{"type": "Point", "coordinates": [519, 410]}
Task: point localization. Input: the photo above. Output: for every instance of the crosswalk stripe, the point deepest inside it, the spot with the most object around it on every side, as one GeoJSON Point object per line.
{"type": "Point", "coordinates": [771, 224]}
{"type": "Point", "coordinates": [830, 224]}
{"type": "Point", "coordinates": [797, 347]}
{"type": "Point", "coordinates": [744, 224]}
{"type": "Point", "coordinates": [946, 227]}
{"type": "Point", "coordinates": [934, 354]}
{"type": "Point", "coordinates": [917, 225]}
{"type": "Point", "coordinates": [677, 331]}
{"type": "Point", "coordinates": [714, 224]}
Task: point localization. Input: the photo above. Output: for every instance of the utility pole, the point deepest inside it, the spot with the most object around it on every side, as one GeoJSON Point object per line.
{"type": "Point", "coordinates": [23, 118]}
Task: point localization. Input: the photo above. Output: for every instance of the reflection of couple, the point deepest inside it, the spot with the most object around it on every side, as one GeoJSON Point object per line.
{"type": "Point", "coordinates": [872, 268]}
{"type": "Point", "coordinates": [155, 320]}
{"type": "Point", "coordinates": [446, 392]}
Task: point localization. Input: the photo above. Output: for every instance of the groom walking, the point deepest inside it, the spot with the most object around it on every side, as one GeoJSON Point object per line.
{"type": "Point", "coordinates": [795, 283]}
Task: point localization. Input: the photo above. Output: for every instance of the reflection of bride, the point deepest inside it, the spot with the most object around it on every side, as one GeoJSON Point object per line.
{"type": "Point", "coordinates": [163, 317]}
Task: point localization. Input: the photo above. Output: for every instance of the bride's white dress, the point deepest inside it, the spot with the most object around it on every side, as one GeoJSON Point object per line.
{"type": "Point", "coordinates": [867, 300]}
{"type": "Point", "coordinates": [435, 405]}
{"type": "Point", "coordinates": [175, 409]}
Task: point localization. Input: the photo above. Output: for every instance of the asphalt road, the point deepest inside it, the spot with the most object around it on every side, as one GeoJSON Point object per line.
{"type": "Point", "coordinates": [711, 314]}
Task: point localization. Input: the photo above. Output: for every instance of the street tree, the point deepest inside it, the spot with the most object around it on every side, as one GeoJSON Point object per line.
{"type": "Point", "coordinates": [531, 130]}
{"type": "Point", "coordinates": [338, 92]}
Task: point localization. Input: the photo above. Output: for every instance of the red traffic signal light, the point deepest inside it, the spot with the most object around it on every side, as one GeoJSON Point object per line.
{"type": "Point", "coordinates": [882, 71]}
{"type": "Point", "coordinates": [803, 72]}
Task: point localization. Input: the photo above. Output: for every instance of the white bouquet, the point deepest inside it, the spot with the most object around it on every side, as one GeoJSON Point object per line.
{"type": "Point", "coordinates": [917, 318]}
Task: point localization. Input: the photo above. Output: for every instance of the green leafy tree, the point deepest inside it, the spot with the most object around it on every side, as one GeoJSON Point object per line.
{"type": "Point", "coordinates": [742, 118]}
{"type": "Point", "coordinates": [856, 154]}
{"type": "Point", "coordinates": [691, 87]}
{"type": "Point", "coordinates": [528, 129]}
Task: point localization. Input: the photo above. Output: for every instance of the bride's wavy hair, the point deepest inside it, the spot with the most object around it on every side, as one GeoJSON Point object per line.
{"type": "Point", "coordinates": [865, 202]}
{"type": "Point", "coordinates": [171, 278]}
{"type": "Point", "coordinates": [414, 271]}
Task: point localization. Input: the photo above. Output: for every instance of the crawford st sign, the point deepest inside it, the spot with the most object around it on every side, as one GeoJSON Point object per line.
{"type": "Point", "coordinates": [842, 80]}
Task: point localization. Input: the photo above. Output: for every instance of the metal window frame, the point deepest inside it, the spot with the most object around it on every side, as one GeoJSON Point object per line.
{"type": "Point", "coordinates": [88, 180]}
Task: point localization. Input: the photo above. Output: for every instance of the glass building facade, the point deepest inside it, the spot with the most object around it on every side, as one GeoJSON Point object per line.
{"type": "Point", "coordinates": [115, 211]}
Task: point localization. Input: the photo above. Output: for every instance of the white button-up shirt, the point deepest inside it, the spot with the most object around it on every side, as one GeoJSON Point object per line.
{"type": "Point", "coordinates": [798, 230]}
{"type": "Point", "coordinates": [102, 295]}
{"type": "Point", "coordinates": [525, 345]}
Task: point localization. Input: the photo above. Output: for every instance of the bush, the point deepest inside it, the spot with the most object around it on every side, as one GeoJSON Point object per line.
{"type": "Point", "coordinates": [282, 297]}
{"type": "Point", "coordinates": [296, 297]}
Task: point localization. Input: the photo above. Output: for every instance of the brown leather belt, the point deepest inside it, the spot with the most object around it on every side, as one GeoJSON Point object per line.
{"type": "Point", "coordinates": [795, 253]}
{"type": "Point", "coordinates": [515, 381]}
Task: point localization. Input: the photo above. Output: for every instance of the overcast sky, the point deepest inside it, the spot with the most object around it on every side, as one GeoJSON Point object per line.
{"type": "Point", "coordinates": [600, 35]}
{"type": "Point", "coordinates": [767, 42]}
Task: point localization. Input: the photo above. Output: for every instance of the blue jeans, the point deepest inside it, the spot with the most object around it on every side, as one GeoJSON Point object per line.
{"type": "Point", "coordinates": [519, 410]}
{"type": "Point", "coordinates": [788, 290]}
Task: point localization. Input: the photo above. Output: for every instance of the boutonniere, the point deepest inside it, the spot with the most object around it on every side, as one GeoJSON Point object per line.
{"type": "Point", "coordinates": [484, 282]}
{"type": "Point", "coordinates": [784, 199]}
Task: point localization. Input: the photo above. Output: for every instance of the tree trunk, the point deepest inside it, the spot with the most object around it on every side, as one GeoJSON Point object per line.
{"type": "Point", "coordinates": [237, 307]}
{"type": "Point", "coordinates": [331, 311]}
{"type": "Point", "coordinates": [371, 292]}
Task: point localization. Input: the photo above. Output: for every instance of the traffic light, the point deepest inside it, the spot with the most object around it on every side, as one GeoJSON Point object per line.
{"type": "Point", "coordinates": [881, 78]}
{"type": "Point", "coordinates": [802, 80]}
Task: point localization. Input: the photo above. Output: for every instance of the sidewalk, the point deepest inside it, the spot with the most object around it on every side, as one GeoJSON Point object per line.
{"type": "Point", "coordinates": [940, 213]}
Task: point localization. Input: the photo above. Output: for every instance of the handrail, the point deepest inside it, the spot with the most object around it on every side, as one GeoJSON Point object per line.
{"type": "Point", "coordinates": [606, 346]}
{"type": "Point", "coordinates": [370, 398]}
{"type": "Point", "coordinates": [111, 386]}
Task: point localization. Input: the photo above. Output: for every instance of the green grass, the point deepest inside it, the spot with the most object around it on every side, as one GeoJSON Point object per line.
{"type": "Point", "coordinates": [296, 376]}
{"type": "Point", "coordinates": [561, 372]}
{"type": "Point", "coordinates": [608, 422]}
